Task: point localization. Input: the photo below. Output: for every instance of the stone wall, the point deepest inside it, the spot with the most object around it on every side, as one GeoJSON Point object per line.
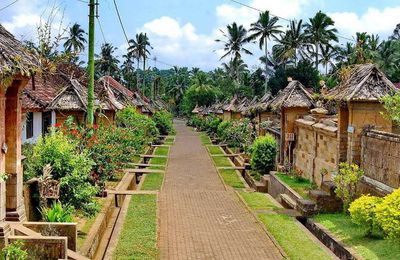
{"type": "Point", "coordinates": [50, 248]}
{"type": "Point", "coordinates": [316, 148]}
{"type": "Point", "coordinates": [380, 157]}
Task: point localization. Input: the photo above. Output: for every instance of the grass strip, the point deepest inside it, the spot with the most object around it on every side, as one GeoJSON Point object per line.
{"type": "Point", "coordinates": [214, 150]}
{"type": "Point", "coordinates": [153, 181]}
{"type": "Point", "coordinates": [301, 186]}
{"type": "Point", "coordinates": [205, 139]}
{"type": "Point", "coordinates": [285, 229]}
{"type": "Point", "coordinates": [138, 238]}
{"type": "Point", "coordinates": [231, 178]}
{"type": "Point", "coordinates": [354, 236]}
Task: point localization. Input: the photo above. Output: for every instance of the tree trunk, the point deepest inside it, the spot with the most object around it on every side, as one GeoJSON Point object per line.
{"type": "Point", "coordinates": [137, 74]}
{"type": "Point", "coordinates": [266, 65]}
{"type": "Point", "coordinates": [295, 57]}
{"type": "Point", "coordinates": [316, 55]}
{"type": "Point", "coordinates": [144, 73]}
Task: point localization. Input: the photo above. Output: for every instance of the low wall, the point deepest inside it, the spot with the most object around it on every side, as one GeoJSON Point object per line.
{"type": "Point", "coordinates": [49, 248]}
{"type": "Point", "coordinates": [380, 157]}
{"type": "Point", "coordinates": [276, 187]}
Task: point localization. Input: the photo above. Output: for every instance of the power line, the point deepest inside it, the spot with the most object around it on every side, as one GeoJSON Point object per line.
{"type": "Point", "coordinates": [101, 29]}
{"type": "Point", "coordinates": [1, 9]}
{"type": "Point", "coordinates": [120, 21]}
{"type": "Point", "coordinates": [283, 18]}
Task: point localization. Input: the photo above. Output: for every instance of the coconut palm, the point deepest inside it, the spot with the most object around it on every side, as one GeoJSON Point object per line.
{"type": "Point", "coordinates": [235, 39]}
{"type": "Point", "coordinates": [319, 31]}
{"type": "Point", "coordinates": [76, 39]}
{"type": "Point", "coordinates": [328, 55]}
{"type": "Point", "coordinates": [127, 70]}
{"type": "Point", "coordinates": [265, 28]}
{"type": "Point", "coordinates": [106, 63]}
{"type": "Point", "coordinates": [139, 48]}
{"type": "Point", "coordinates": [291, 42]}
{"type": "Point", "coordinates": [236, 69]}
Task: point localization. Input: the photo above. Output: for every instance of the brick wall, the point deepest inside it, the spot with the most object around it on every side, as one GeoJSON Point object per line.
{"type": "Point", "coordinates": [380, 157]}
{"type": "Point", "coordinates": [316, 148]}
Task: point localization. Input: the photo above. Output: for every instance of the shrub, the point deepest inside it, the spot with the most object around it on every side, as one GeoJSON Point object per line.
{"type": "Point", "coordinates": [388, 215]}
{"type": "Point", "coordinates": [263, 154]}
{"type": "Point", "coordinates": [57, 213]}
{"type": "Point", "coordinates": [211, 124]}
{"type": "Point", "coordinates": [239, 134]}
{"type": "Point", "coordinates": [71, 167]}
{"type": "Point", "coordinates": [362, 212]}
{"type": "Point", "coordinates": [221, 129]}
{"type": "Point", "coordinates": [197, 122]}
{"type": "Point", "coordinates": [27, 151]}
{"type": "Point", "coordinates": [163, 121]}
{"type": "Point", "coordinates": [14, 251]}
{"type": "Point", "coordinates": [346, 183]}
{"type": "Point", "coordinates": [140, 124]}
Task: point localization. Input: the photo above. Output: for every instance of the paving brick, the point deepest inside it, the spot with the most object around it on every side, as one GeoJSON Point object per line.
{"type": "Point", "coordinates": [199, 218]}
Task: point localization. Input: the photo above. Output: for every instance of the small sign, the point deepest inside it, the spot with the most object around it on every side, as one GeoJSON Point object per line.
{"type": "Point", "coordinates": [350, 129]}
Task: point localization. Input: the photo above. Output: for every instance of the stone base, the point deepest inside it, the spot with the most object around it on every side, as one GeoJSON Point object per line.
{"type": "Point", "coordinates": [16, 216]}
{"type": "Point", "coordinates": [5, 232]}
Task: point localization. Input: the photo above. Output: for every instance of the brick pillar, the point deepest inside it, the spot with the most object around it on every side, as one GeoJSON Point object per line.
{"type": "Point", "coordinates": [343, 123]}
{"type": "Point", "coordinates": [13, 125]}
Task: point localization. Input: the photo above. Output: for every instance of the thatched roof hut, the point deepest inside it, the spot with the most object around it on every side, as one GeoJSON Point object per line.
{"type": "Point", "coordinates": [364, 83]}
{"type": "Point", "coordinates": [231, 106]}
{"type": "Point", "coordinates": [294, 95]}
{"type": "Point", "coordinates": [14, 59]}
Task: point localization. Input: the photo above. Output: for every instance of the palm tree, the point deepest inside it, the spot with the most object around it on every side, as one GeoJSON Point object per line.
{"type": "Point", "coordinates": [235, 38]}
{"type": "Point", "coordinates": [263, 30]}
{"type": "Point", "coordinates": [291, 42]}
{"type": "Point", "coordinates": [236, 69]}
{"type": "Point", "coordinates": [127, 70]}
{"type": "Point", "coordinates": [318, 31]}
{"type": "Point", "coordinates": [328, 54]}
{"type": "Point", "coordinates": [76, 39]}
{"type": "Point", "coordinates": [139, 48]}
{"type": "Point", "coordinates": [106, 62]}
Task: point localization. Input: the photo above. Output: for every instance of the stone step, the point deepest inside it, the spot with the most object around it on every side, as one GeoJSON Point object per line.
{"type": "Point", "coordinates": [287, 201]}
{"type": "Point", "coordinates": [306, 208]}
{"type": "Point", "coordinates": [146, 165]}
{"type": "Point", "coordinates": [315, 195]}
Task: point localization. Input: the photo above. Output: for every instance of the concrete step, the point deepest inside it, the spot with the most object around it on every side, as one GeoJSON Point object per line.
{"type": "Point", "coordinates": [287, 201]}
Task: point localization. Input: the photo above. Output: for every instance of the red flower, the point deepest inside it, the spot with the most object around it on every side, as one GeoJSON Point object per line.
{"type": "Point", "coordinates": [95, 127]}
{"type": "Point", "coordinates": [57, 125]}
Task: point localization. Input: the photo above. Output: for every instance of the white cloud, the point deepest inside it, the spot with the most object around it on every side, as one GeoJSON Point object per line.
{"type": "Point", "coordinates": [372, 21]}
{"type": "Point", "coordinates": [228, 13]}
{"type": "Point", "coordinates": [180, 44]}
{"type": "Point", "coordinates": [21, 21]}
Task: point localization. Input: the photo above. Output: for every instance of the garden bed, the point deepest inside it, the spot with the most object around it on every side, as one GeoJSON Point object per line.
{"type": "Point", "coordinates": [341, 229]}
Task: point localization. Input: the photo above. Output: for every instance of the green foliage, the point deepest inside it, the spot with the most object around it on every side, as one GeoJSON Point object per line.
{"type": "Point", "coordinates": [346, 182]}
{"type": "Point", "coordinates": [388, 215]}
{"type": "Point", "coordinates": [163, 120]}
{"type": "Point", "coordinates": [140, 124]}
{"type": "Point", "coordinates": [392, 105]}
{"type": "Point", "coordinates": [69, 165]}
{"type": "Point", "coordinates": [362, 212]}
{"type": "Point", "coordinates": [211, 124]}
{"type": "Point", "coordinates": [203, 95]}
{"type": "Point", "coordinates": [14, 251]}
{"type": "Point", "coordinates": [197, 122]}
{"type": "Point", "coordinates": [222, 127]}
{"type": "Point", "coordinates": [263, 153]}
{"type": "Point", "coordinates": [57, 213]}
{"type": "Point", "coordinates": [238, 134]}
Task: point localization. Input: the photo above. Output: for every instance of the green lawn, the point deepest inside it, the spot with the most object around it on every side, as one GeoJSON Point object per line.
{"type": "Point", "coordinates": [214, 149]}
{"type": "Point", "coordinates": [351, 235]}
{"type": "Point", "coordinates": [205, 140]}
{"type": "Point", "coordinates": [221, 161]}
{"type": "Point", "coordinates": [231, 178]}
{"type": "Point", "coordinates": [153, 181]}
{"type": "Point", "coordinates": [170, 139]}
{"type": "Point", "coordinates": [301, 186]}
{"type": "Point", "coordinates": [285, 229]}
{"type": "Point", "coordinates": [138, 238]}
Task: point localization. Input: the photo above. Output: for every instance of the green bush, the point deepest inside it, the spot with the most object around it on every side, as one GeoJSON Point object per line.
{"type": "Point", "coordinates": [263, 154]}
{"type": "Point", "coordinates": [388, 215]}
{"type": "Point", "coordinates": [362, 212]}
{"type": "Point", "coordinates": [211, 124]}
{"type": "Point", "coordinates": [69, 165]}
{"type": "Point", "coordinates": [14, 251]}
{"type": "Point", "coordinates": [346, 182]}
{"type": "Point", "coordinates": [163, 120]}
{"type": "Point", "coordinates": [221, 129]}
{"type": "Point", "coordinates": [238, 134]}
{"type": "Point", "coordinates": [197, 122]}
{"type": "Point", "coordinates": [57, 213]}
{"type": "Point", "coordinates": [27, 151]}
{"type": "Point", "coordinates": [140, 124]}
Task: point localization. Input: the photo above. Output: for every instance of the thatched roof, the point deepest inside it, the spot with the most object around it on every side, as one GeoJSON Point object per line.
{"type": "Point", "coordinates": [14, 59]}
{"type": "Point", "coordinates": [232, 104]}
{"type": "Point", "coordinates": [364, 83]}
{"type": "Point", "coordinates": [216, 108]}
{"type": "Point", "coordinates": [294, 95]}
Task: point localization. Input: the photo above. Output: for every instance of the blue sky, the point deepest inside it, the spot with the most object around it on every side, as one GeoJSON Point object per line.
{"type": "Point", "coordinates": [183, 31]}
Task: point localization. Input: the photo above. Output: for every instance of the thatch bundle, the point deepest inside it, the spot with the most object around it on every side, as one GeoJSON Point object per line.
{"type": "Point", "coordinates": [294, 95]}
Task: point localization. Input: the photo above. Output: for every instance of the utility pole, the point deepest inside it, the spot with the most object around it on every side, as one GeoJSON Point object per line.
{"type": "Point", "coordinates": [90, 110]}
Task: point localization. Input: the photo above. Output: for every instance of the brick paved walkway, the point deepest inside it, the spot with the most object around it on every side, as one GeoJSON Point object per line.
{"type": "Point", "coordinates": [199, 219]}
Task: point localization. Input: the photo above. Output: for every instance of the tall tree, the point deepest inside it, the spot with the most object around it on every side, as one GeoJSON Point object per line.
{"type": "Point", "coordinates": [127, 70]}
{"type": "Point", "coordinates": [236, 69]}
{"type": "Point", "coordinates": [235, 39]}
{"type": "Point", "coordinates": [320, 31]}
{"type": "Point", "coordinates": [265, 28]}
{"type": "Point", "coordinates": [140, 49]}
{"type": "Point", "coordinates": [76, 40]}
{"type": "Point", "coordinates": [106, 62]}
{"type": "Point", "coordinates": [328, 55]}
{"type": "Point", "coordinates": [291, 42]}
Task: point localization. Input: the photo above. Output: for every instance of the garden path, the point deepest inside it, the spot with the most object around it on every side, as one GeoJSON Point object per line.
{"type": "Point", "coordinates": [199, 218]}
